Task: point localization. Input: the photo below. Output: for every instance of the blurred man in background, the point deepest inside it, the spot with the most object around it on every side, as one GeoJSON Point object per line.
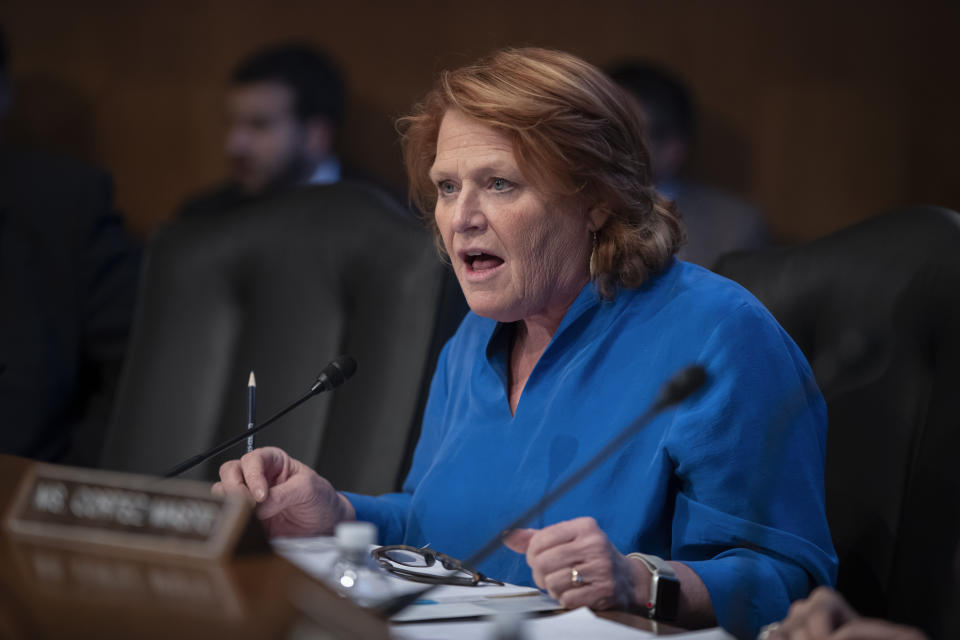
{"type": "Point", "coordinates": [68, 275]}
{"type": "Point", "coordinates": [717, 222]}
{"type": "Point", "coordinates": [284, 108]}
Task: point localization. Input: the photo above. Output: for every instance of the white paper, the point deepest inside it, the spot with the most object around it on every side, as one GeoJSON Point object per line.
{"type": "Point", "coordinates": [454, 607]}
{"type": "Point", "coordinates": [572, 625]}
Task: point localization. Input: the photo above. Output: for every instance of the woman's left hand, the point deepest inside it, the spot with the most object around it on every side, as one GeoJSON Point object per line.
{"type": "Point", "coordinates": [562, 552]}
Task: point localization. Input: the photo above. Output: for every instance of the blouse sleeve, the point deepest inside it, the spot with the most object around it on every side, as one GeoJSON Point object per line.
{"type": "Point", "coordinates": [749, 456]}
{"type": "Point", "coordinates": [389, 511]}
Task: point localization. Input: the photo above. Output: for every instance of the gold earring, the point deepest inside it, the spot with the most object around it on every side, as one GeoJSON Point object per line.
{"type": "Point", "coordinates": [593, 255]}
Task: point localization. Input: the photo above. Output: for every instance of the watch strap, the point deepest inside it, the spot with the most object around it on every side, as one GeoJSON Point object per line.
{"type": "Point", "coordinates": [664, 587]}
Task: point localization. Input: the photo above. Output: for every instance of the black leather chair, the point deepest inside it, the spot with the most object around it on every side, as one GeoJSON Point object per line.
{"type": "Point", "coordinates": [876, 310]}
{"type": "Point", "coordinates": [282, 287]}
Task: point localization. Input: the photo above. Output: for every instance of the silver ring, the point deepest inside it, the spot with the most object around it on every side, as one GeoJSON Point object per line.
{"type": "Point", "coordinates": [767, 630]}
{"type": "Point", "coordinates": [575, 578]}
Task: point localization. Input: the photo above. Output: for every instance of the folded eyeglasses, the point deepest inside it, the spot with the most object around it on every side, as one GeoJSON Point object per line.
{"type": "Point", "coordinates": [403, 560]}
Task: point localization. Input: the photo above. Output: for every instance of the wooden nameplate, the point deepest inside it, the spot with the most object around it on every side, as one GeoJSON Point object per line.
{"type": "Point", "coordinates": [127, 512]}
{"type": "Point", "coordinates": [95, 575]}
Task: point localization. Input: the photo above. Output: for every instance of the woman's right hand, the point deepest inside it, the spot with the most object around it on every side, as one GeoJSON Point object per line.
{"type": "Point", "coordinates": [291, 499]}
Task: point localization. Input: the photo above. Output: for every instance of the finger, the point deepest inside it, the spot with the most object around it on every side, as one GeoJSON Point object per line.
{"type": "Point", "coordinates": [518, 539]}
{"type": "Point", "coordinates": [297, 491]}
{"type": "Point", "coordinates": [873, 629]}
{"type": "Point", "coordinates": [795, 620]}
{"type": "Point", "coordinates": [786, 628]}
{"type": "Point", "coordinates": [231, 482]}
{"type": "Point", "coordinates": [820, 622]}
{"type": "Point", "coordinates": [535, 551]}
{"type": "Point", "coordinates": [593, 596]}
{"type": "Point", "coordinates": [580, 551]}
{"type": "Point", "coordinates": [240, 491]}
{"type": "Point", "coordinates": [799, 629]}
{"type": "Point", "coordinates": [840, 611]}
{"type": "Point", "coordinates": [260, 464]}
{"type": "Point", "coordinates": [559, 582]}
{"type": "Point", "coordinates": [560, 533]}
{"type": "Point", "coordinates": [819, 615]}
{"type": "Point", "coordinates": [803, 633]}
{"type": "Point", "coordinates": [231, 474]}
{"type": "Point", "coordinates": [807, 619]}
{"type": "Point", "coordinates": [594, 572]}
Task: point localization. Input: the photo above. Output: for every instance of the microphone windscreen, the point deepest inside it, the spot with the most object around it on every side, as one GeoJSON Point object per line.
{"type": "Point", "coordinates": [335, 374]}
{"type": "Point", "coordinates": [346, 365]}
{"type": "Point", "coordinates": [683, 384]}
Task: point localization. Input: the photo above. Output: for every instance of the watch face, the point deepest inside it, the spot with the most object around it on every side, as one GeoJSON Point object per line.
{"type": "Point", "coordinates": [665, 596]}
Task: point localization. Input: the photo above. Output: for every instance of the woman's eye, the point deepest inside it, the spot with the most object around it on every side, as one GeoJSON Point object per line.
{"type": "Point", "coordinates": [446, 187]}
{"type": "Point", "coordinates": [500, 184]}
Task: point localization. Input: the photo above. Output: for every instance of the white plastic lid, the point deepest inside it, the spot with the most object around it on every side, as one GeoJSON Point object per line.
{"type": "Point", "coordinates": [356, 535]}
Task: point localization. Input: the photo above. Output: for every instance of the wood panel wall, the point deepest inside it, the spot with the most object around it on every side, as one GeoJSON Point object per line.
{"type": "Point", "coordinates": [822, 112]}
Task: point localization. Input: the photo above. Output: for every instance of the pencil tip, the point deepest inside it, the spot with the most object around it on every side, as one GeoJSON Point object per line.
{"type": "Point", "coordinates": [253, 380]}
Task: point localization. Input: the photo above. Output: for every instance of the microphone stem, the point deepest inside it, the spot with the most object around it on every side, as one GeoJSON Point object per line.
{"type": "Point", "coordinates": [571, 481]}
{"type": "Point", "coordinates": [397, 604]}
{"type": "Point", "coordinates": [223, 446]}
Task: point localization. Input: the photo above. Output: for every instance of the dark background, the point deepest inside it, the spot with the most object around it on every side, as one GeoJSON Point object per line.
{"type": "Point", "coordinates": [821, 112]}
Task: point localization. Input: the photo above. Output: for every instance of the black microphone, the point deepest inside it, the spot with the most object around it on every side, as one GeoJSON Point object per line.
{"type": "Point", "coordinates": [678, 388]}
{"type": "Point", "coordinates": [332, 376]}
{"type": "Point", "coordinates": [335, 374]}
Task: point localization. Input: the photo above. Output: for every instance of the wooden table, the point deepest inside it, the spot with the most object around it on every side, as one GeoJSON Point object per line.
{"type": "Point", "coordinates": [55, 591]}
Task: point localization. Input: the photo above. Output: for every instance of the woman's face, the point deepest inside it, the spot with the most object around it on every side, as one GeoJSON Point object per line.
{"type": "Point", "coordinates": [517, 252]}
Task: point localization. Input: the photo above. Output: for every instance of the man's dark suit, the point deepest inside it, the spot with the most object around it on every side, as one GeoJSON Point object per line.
{"type": "Point", "coordinates": [68, 276]}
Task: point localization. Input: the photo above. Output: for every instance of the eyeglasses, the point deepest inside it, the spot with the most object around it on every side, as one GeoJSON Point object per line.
{"type": "Point", "coordinates": [403, 561]}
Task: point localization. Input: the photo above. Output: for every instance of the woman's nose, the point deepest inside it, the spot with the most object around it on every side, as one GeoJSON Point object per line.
{"type": "Point", "coordinates": [468, 211]}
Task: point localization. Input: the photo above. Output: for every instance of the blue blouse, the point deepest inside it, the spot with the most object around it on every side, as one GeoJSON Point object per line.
{"type": "Point", "coordinates": [730, 482]}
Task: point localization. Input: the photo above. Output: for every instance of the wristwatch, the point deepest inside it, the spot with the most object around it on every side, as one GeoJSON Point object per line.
{"type": "Point", "coordinates": [664, 588]}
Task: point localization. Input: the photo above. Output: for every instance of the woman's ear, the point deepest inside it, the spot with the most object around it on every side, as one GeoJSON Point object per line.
{"type": "Point", "coordinates": [597, 216]}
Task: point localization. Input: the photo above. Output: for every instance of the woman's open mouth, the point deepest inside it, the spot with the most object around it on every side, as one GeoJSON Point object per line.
{"type": "Point", "coordinates": [481, 264]}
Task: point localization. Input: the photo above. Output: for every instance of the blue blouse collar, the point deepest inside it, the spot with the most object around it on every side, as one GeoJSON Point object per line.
{"type": "Point", "coordinates": [501, 335]}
